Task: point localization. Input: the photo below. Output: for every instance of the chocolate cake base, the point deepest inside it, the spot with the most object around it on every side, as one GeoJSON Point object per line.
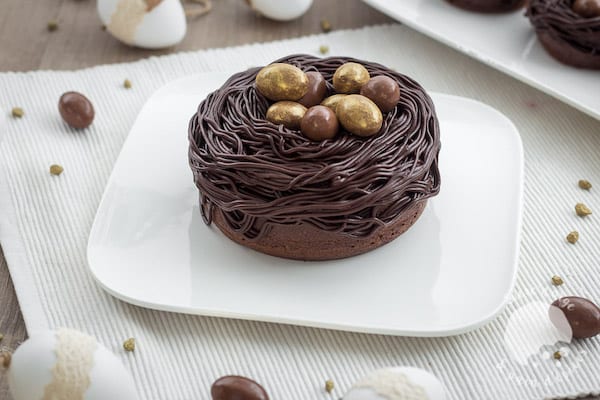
{"type": "Point", "coordinates": [489, 6]}
{"type": "Point", "coordinates": [308, 243]}
{"type": "Point", "coordinates": [567, 54]}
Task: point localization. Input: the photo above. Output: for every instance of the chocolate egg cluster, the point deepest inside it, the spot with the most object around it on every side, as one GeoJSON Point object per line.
{"type": "Point", "coordinates": [303, 100]}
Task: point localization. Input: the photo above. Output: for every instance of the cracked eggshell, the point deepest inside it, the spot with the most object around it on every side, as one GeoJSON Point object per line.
{"type": "Point", "coordinates": [398, 383]}
{"type": "Point", "coordinates": [281, 10]}
{"type": "Point", "coordinates": [31, 370]}
{"type": "Point", "coordinates": [151, 24]}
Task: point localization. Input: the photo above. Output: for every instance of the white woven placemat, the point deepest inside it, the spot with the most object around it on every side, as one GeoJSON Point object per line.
{"type": "Point", "coordinates": [45, 220]}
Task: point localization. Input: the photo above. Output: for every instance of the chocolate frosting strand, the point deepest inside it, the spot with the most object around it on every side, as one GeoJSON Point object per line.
{"type": "Point", "coordinates": [257, 173]}
{"type": "Point", "coordinates": [558, 19]}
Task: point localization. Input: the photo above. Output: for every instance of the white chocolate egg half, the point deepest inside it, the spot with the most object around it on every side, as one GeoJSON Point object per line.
{"type": "Point", "coordinates": [399, 383]}
{"type": "Point", "coordinates": [67, 364]}
{"type": "Point", "coordinates": [281, 10]}
{"type": "Point", "coordinates": [151, 24]}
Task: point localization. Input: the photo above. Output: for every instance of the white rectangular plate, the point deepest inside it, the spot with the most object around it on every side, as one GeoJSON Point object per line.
{"type": "Point", "coordinates": [506, 42]}
{"type": "Point", "coordinates": [450, 273]}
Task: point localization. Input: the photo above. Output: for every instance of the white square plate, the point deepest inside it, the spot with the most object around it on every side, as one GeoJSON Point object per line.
{"type": "Point", "coordinates": [450, 273]}
{"type": "Point", "coordinates": [506, 42]}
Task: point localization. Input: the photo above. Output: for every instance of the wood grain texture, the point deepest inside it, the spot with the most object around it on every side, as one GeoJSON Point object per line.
{"type": "Point", "coordinates": [26, 44]}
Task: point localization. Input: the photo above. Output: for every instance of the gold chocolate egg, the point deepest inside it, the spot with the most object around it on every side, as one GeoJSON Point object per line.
{"type": "Point", "coordinates": [286, 113]}
{"type": "Point", "coordinates": [332, 101]}
{"type": "Point", "coordinates": [350, 77]}
{"type": "Point", "coordinates": [359, 115]}
{"type": "Point", "coordinates": [281, 81]}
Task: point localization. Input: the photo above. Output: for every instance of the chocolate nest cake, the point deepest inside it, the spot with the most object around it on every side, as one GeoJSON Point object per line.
{"type": "Point", "coordinates": [569, 30]}
{"type": "Point", "coordinates": [272, 189]}
{"type": "Point", "coordinates": [489, 6]}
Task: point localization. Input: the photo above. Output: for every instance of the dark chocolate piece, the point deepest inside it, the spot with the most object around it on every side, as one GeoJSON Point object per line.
{"type": "Point", "coordinates": [233, 387]}
{"type": "Point", "coordinates": [587, 8]}
{"type": "Point", "coordinates": [317, 90]}
{"type": "Point", "coordinates": [76, 110]}
{"type": "Point", "coordinates": [383, 91]}
{"type": "Point", "coordinates": [319, 123]}
{"type": "Point", "coordinates": [582, 315]}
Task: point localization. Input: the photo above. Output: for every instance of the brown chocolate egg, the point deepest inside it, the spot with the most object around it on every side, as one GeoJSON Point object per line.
{"type": "Point", "coordinates": [350, 77]}
{"type": "Point", "coordinates": [286, 113]}
{"type": "Point", "coordinates": [359, 115]}
{"type": "Point", "coordinates": [76, 110]}
{"type": "Point", "coordinates": [332, 101]}
{"type": "Point", "coordinates": [317, 90]}
{"type": "Point", "coordinates": [587, 8]}
{"type": "Point", "coordinates": [384, 91]}
{"type": "Point", "coordinates": [582, 315]}
{"type": "Point", "coordinates": [281, 81]}
{"type": "Point", "coordinates": [233, 387]}
{"type": "Point", "coordinates": [319, 123]}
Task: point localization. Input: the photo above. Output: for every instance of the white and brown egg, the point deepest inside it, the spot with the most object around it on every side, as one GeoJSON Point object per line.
{"type": "Point", "coordinates": [151, 24]}
{"type": "Point", "coordinates": [301, 102]}
{"type": "Point", "coordinates": [67, 364]}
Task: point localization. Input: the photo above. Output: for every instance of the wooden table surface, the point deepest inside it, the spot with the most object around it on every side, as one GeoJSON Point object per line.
{"type": "Point", "coordinates": [26, 44]}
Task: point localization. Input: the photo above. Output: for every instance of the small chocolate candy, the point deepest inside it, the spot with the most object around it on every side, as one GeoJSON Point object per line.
{"type": "Point", "coordinates": [286, 113]}
{"type": "Point", "coordinates": [233, 387]}
{"type": "Point", "coordinates": [383, 90]}
{"type": "Point", "coordinates": [581, 314]}
{"type": "Point", "coordinates": [317, 90]}
{"type": "Point", "coordinates": [332, 101]}
{"type": "Point", "coordinates": [76, 110]}
{"type": "Point", "coordinates": [319, 123]}
{"type": "Point", "coordinates": [359, 115]}
{"type": "Point", "coordinates": [281, 81]}
{"type": "Point", "coordinates": [587, 8]}
{"type": "Point", "coordinates": [350, 77]}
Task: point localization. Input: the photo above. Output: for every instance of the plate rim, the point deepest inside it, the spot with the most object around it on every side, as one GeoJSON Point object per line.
{"type": "Point", "coordinates": [446, 331]}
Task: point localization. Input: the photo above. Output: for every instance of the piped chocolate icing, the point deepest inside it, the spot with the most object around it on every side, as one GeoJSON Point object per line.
{"type": "Point", "coordinates": [568, 36]}
{"type": "Point", "coordinates": [257, 174]}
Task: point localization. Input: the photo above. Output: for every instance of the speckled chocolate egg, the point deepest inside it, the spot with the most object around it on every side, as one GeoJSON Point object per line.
{"type": "Point", "coordinates": [332, 101]}
{"type": "Point", "coordinates": [317, 89]}
{"type": "Point", "coordinates": [286, 113]}
{"type": "Point", "coordinates": [359, 115]}
{"type": "Point", "coordinates": [350, 77]}
{"type": "Point", "coordinates": [384, 91]}
{"type": "Point", "coordinates": [587, 8]}
{"type": "Point", "coordinates": [233, 387]}
{"type": "Point", "coordinates": [582, 316]}
{"type": "Point", "coordinates": [76, 110]}
{"type": "Point", "coordinates": [319, 123]}
{"type": "Point", "coordinates": [281, 81]}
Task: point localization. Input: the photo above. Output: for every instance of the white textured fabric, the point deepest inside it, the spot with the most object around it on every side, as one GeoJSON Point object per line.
{"type": "Point", "coordinates": [45, 221]}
